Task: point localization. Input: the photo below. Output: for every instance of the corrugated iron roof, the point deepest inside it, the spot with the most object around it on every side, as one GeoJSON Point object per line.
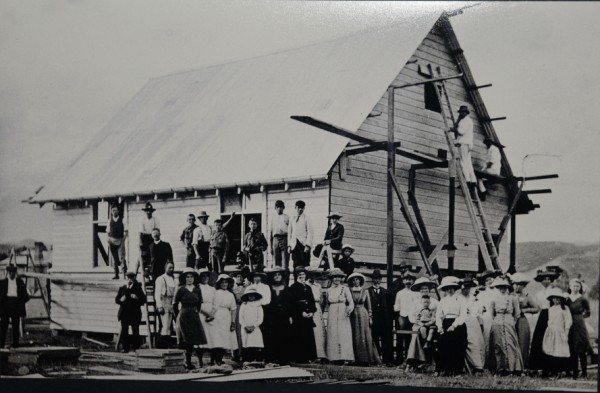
{"type": "Point", "coordinates": [230, 124]}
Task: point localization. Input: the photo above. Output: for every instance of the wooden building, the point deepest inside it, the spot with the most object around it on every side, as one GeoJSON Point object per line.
{"type": "Point", "coordinates": [221, 139]}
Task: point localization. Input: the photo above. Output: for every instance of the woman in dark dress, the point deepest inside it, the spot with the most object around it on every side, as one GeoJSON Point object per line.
{"type": "Point", "coordinates": [537, 358]}
{"type": "Point", "coordinates": [190, 334]}
{"type": "Point", "coordinates": [302, 304]}
{"type": "Point", "coordinates": [451, 315]}
{"type": "Point", "coordinates": [276, 325]}
{"type": "Point", "coordinates": [579, 340]}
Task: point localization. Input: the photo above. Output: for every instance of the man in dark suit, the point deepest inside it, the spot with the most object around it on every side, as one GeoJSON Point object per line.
{"type": "Point", "coordinates": [334, 236]}
{"type": "Point", "coordinates": [130, 298]}
{"type": "Point", "coordinates": [13, 296]}
{"type": "Point", "coordinates": [160, 253]}
{"type": "Point", "coordinates": [382, 318]}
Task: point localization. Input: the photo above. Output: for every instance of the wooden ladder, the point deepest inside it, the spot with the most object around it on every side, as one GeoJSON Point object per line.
{"type": "Point", "coordinates": [474, 207]}
{"type": "Point", "coordinates": [150, 313]}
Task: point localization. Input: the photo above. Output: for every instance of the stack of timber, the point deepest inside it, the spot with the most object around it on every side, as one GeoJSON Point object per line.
{"type": "Point", "coordinates": [127, 359]}
{"type": "Point", "coordinates": [36, 356]}
{"type": "Point", "coordinates": [166, 361]}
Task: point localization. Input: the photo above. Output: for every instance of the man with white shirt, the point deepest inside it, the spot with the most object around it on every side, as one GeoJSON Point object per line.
{"type": "Point", "coordinates": [116, 229]}
{"type": "Point", "coordinates": [464, 142]}
{"type": "Point", "coordinates": [164, 292]}
{"type": "Point", "coordinates": [147, 225]}
{"type": "Point", "coordinates": [493, 162]}
{"type": "Point", "coordinates": [278, 235]}
{"type": "Point", "coordinates": [300, 236]}
{"type": "Point", "coordinates": [13, 296]}
{"type": "Point", "coordinates": [403, 306]}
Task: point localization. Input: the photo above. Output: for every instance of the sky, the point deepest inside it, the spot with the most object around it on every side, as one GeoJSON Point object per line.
{"type": "Point", "coordinates": [68, 66]}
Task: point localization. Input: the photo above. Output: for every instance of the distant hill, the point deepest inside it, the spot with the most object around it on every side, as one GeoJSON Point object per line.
{"type": "Point", "coordinates": [575, 259]}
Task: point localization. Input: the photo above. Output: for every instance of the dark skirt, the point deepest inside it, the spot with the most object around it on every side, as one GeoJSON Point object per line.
{"type": "Point", "coordinates": [189, 329]}
{"type": "Point", "coordinates": [537, 357]}
{"type": "Point", "coordinates": [277, 339]}
{"type": "Point", "coordinates": [579, 339]}
{"type": "Point", "coordinates": [303, 344]}
{"type": "Point", "coordinates": [524, 335]}
{"type": "Point", "coordinates": [452, 348]}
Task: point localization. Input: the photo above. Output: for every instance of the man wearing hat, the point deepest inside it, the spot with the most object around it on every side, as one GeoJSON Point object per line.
{"type": "Point", "coordinates": [164, 293]}
{"type": "Point", "coordinates": [201, 238]}
{"type": "Point", "coordinates": [186, 238]}
{"type": "Point", "coordinates": [382, 318]}
{"type": "Point", "coordinates": [219, 247]}
{"type": "Point", "coordinates": [255, 244]}
{"type": "Point", "coordinates": [464, 142]}
{"type": "Point", "coordinates": [300, 236]}
{"type": "Point", "coordinates": [116, 229]}
{"type": "Point", "coordinates": [278, 235]}
{"type": "Point", "coordinates": [147, 225]}
{"type": "Point", "coordinates": [13, 296]}
{"type": "Point", "coordinates": [130, 299]}
{"type": "Point", "coordinates": [334, 235]}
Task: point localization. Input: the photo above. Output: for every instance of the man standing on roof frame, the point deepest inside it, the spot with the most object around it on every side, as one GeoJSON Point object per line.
{"type": "Point", "coordinates": [116, 229]}
{"type": "Point", "coordinates": [201, 238]}
{"type": "Point", "coordinates": [278, 234]}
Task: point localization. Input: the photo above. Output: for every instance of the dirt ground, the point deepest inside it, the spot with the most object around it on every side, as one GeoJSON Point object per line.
{"type": "Point", "coordinates": [40, 335]}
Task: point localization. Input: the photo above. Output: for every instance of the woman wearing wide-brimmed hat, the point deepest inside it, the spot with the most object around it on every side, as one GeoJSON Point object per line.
{"type": "Point", "coordinates": [451, 315]}
{"type": "Point", "coordinates": [186, 305]}
{"type": "Point", "coordinates": [339, 306]}
{"type": "Point", "coordinates": [505, 354]}
{"type": "Point", "coordinates": [302, 309]}
{"type": "Point", "coordinates": [417, 356]}
{"type": "Point", "coordinates": [276, 325]}
{"type": "Point", "coordinates": [222, 325]}
{"type": "Point", "coordinates": [537, 358]}
{"type": "Point", "coordinates": [484, 297]}
{"type": "Point", "coordinates": [475, 354]}
{"type": "Point", "coordinates": [361, 320]}
{"type": "Point", "coordinates": [555, 343]}
{"type": "Point", "coordinates": [319, 329]}
{"type": "Point", "coordinates": [334, 235]}
{"type": "Point", "coordinates": [579, 340]}
{"type": "Point", "coordinates": [528, 306]}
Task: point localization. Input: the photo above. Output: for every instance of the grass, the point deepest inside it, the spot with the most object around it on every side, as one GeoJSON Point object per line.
{"type": "Point", "coordinates": [480, 381]}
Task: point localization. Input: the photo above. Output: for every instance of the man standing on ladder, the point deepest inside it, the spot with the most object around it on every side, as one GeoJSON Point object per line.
{"type": "Point", "coordinates": [464, 142]}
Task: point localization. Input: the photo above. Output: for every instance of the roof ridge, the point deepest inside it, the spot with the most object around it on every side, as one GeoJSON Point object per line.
{"type": "Point", "coordinates": [364, 31]}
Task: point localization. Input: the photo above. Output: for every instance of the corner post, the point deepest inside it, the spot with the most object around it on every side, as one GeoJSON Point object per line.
{"type": "Point", "coordinates": [391, 164]}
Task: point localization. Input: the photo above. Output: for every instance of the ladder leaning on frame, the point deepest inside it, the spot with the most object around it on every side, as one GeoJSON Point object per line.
{"type": "Point", "coordinates": [473, 203]}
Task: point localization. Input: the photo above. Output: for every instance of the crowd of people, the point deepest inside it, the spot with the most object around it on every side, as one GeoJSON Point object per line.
{"type": "Point", "coordinates": [326, 315]}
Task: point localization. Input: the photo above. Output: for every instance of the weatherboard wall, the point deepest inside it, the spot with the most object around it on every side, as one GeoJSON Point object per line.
{"type": "Point", "coordinates": [360, 192]}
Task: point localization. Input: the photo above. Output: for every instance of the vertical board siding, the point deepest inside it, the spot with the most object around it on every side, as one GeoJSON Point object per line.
{"type": "Point", "coordinates": [317, 210]}
{"type": "Point", "coordinates": [172, 215]}
{"type": "Point", "coordinates": [361, 196]}
{"type": "Point", "coordinates": [72, 236]}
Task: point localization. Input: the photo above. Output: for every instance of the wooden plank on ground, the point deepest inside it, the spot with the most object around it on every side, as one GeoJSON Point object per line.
{"type": "Point", "coordinates": [264, 374]}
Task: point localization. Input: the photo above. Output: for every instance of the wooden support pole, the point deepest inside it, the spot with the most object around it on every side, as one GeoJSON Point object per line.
{"type": "Point", "coordinates": [542, 191]}
{"type": "Point", "coordinates": [391, 164]}
{"type": "Point", "coordinates": [513, 244]}
{"type": "Point", "coordinates": [471, 88]}
{"type": "Point", "coordinates": [95, 234]}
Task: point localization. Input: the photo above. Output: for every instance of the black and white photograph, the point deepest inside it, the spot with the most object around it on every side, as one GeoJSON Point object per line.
{"type": "Point", "coordinates": [377, 194]}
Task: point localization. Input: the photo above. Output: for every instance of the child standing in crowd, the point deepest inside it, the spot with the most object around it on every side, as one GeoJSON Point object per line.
{"type": "Point", "coordinates": [255, 244]}
{"type": "Point", "coordinates": [556, 343]}
{"type": "Point", "coordinates": [426, 321]}
{"type": "Point", "coordinates": [251, 317]}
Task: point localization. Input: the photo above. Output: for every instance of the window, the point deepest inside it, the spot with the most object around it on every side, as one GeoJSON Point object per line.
{"type": "Point", "coordinates": [431, 100]}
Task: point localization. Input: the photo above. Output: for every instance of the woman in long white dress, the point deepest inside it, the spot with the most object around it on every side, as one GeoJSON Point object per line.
{"type": "Point", "coordinates": [208, 295]}
{"type": "Point", "coordinates": [222, 326]}
{"type": "Point", "coordinates": [475, 354]}
{"type": "Point", "coordinates": [339, 305]}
